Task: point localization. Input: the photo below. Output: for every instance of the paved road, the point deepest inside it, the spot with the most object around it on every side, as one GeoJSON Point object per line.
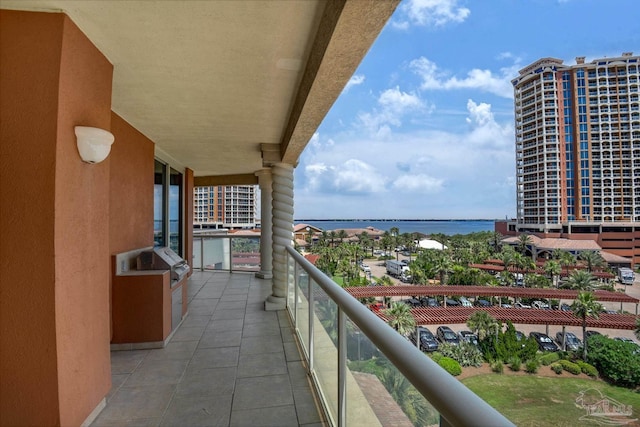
{"type": "Point", "coordinates": [378, 269]}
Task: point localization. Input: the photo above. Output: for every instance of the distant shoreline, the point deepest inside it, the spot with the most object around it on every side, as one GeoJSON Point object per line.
{"type": "Point", "coordinates": [395, 220]}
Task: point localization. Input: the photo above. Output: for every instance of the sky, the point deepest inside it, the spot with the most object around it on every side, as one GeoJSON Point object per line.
{"type": "Point", "coordinates": [425, 127]}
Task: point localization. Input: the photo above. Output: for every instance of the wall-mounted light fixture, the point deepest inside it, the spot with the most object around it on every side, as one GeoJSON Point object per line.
{"type": "Point", "coordinates": [94, 144]}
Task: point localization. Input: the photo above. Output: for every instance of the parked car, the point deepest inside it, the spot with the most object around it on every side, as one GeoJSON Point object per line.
{"type": "Point", "coordinates": [520, 336]}
{"type": "Point", "coordinates": [540, 305]}
{"type": "Point", "coordinates": [413, 302]}
{"type": "Point", "coordinates": [469, 337]}
{"type": "Point", "coordinates": [545, 343]}
{"type": "Point", "coordinates": [446, 335]}
{"type": "Point", "coordinates": [365, 268]}
{"type": "Point", "coordinates": [521, 305]}
{"type": "Point", "coordinates": [571, 342]}
{"type": "Point", "coordinates": [483, 303]}
{"type": "Point", "coordinates": [565, 307]}
{"type": "Point", "coordinates": [428, 341]}
{"type": "Point", "coordinates": [506, 305]}
{"type": "Point", "coordinates": [430, 302]}
{"type": "Point", "coordinates": [452, 302]}
{"type": "Point", "coordinates": [624, 339]}
{"type": "Point", "coordinates": [465, 302]}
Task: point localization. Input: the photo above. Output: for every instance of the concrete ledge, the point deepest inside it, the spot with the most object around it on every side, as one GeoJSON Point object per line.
{"type": "Point", "coordinates": [94, 414]}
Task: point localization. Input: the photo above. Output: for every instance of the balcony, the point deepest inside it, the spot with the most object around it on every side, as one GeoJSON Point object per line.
{"type": "Point", "coordinates": [231, 362]}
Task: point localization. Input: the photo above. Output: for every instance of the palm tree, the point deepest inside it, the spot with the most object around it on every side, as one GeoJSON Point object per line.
{"type": "Point", "coordinates": [385, 281]}
{"type": "Point", "coordinates": [496, 242]}
{"type": "Point", "coordinates": [342, 235]}
{"type": "Point", "coordinates": [365, 241]}
{"type": "Point", "coordinates": [524, 240]}
{"type": "Point", "coordinates": [442, 267]}
{"type": "Point", "coordinates": [585, 306]}
{"type": "Point", "coordinates": [566, 259]}
{"type": "Point", "coordinates": [401, 318]}
{"type": "Point", "coordinates": [332, 236]}
{"type": "Point", "coordinates": [582, 281]}
{"type": "Point", "coordinates": [482, 323]}
{"type": "Point", "coordinates": [553, 269]}
{"type": "Point", "coordinates": [592, 258]}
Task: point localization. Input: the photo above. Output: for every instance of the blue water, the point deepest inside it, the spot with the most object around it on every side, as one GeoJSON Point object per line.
{"type": "Point", "coordinates": [448, 227]}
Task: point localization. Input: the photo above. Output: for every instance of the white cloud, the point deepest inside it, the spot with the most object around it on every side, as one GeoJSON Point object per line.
{"type": "Point", "coordinates": [485, 80]}
{"type": "Point", "coordinates": [420, 183]}
{"type": "Point", "coordinates": [434, 13]}
{"type": "Point", "coordinates": [415, 172]}
{"type": "Point", "coordinates": [485, 130]}
{"type": "Point", "coordinates": [355, 80]}
{"type": "Point", "coordinates": [393, 105]}
{"type": "Point", "coordinates": [351, 176]}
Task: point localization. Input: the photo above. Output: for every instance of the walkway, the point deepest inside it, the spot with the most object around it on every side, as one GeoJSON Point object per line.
{"type": "Point", "coordinates": [230, 363]}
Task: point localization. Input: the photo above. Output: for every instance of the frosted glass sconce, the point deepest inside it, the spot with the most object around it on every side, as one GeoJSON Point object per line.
{"type": "Point", "coordinates": [94, 144]}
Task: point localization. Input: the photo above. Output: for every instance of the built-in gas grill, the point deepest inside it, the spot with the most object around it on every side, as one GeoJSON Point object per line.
{"type": "Point", "coordinates": [163, 258]}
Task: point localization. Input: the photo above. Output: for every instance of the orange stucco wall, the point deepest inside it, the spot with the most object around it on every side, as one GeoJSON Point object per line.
{"type": "Point", "coordinates": [29, 88]}
{"type": "Point", "coordinates": [131, 190]}
{"type": "Point", "coordinates": [55, 227]}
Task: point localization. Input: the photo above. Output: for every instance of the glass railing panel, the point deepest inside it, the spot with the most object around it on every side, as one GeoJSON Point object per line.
{"type": "Point", "coordinates": [378, 392]}
{"type": "Point", "coordinates": [325, 350]}
{"type": "Point", "coordinates": [216, 253]}
{"type": "Point", "coordinates": [291, 287]}
{"type": "Point", "coordinates": [302, 309]}
{"type": "Point", "coordinates": [245, 253]}
{"type": "Point", "coordinates": [197, 250]}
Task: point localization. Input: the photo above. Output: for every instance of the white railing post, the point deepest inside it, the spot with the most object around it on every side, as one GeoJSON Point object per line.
{"type": "Point", "coordinates": [342, 368]}
{"type": "Point", "coordinates": [230, 254]}
{"type": "Point", "coordinates": [201, 253]}
{"type": "Point", "coordinates": [311, 303]}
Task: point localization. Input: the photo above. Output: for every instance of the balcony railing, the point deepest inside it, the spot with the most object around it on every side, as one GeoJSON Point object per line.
{"type": "Point", "coordinates": [342, 340]}
{"type": "Point", "coordinates": [226, 252]}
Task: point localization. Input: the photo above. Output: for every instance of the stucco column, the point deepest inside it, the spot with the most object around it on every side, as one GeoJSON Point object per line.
{"type": "Point", "coordinates": [282, 232]}
{"type": "Point", "coordinates": [266, 251]}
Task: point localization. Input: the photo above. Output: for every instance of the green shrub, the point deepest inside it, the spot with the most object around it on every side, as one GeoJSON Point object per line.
{"type": "Point", "coordinates": [570, 367]}
{"type": "Point", "coordinates": [436, 356]}
{"type": "Point", "coordinates": [497, 366]}
{"type": "Point", "coordinates": [465, 354]}
{"type": "Point", "coordinates": [532, 366]}
{"type": "Point", "coordinates": [549, 358]}
{"type": "Point", "coordinates": [587, 368]}
{"type": "Point", "coordinates": [515, 364]}
{"type": "Point", "coordinates": [556, 367]}
{"type": "Point", "coordinates": [615, 360]}
{"type": "Point", "coordinates": [450, 365]}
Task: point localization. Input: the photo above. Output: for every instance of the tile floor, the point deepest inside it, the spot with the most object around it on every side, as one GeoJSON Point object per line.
{"type": "Point", "coordinates": [230, 363]}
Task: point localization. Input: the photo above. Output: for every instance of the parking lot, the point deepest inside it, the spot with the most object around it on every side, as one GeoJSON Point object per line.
{"type": "Point", "coordinates": [378, 269]}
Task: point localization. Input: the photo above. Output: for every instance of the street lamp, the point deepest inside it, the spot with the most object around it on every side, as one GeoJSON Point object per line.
{"type": "Point", "coordinates": [308, 229]}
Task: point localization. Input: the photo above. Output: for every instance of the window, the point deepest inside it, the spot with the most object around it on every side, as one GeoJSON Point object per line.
{"type": "Point", "coordinates": [167, 207]}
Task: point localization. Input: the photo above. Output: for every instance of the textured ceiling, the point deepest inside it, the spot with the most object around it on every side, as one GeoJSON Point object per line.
{"type": "Point", "coordinates": [211, 81]}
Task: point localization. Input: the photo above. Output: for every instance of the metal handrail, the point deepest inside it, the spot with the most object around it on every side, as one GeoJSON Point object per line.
{"type": "Point", "coordinates": [457, 405]}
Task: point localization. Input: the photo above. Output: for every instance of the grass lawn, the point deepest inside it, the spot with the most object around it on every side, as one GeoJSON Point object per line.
{"type": "Point", "coordinates": [547, 401]}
